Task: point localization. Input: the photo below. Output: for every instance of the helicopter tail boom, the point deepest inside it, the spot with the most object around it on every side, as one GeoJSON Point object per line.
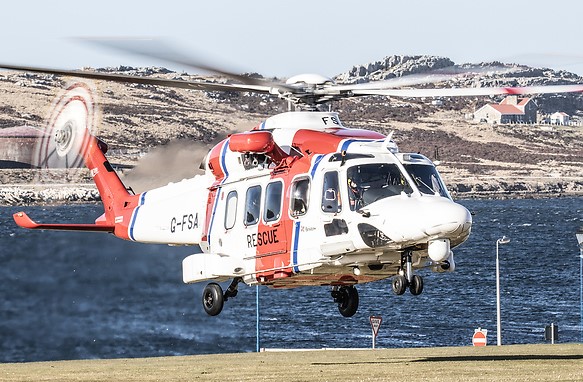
{"type": "Point", "coordinates": [115, 197]}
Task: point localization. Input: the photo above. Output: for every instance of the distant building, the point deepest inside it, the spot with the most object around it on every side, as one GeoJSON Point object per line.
{"type": "Point", "coordinates": [560, 118]}
{"type": "Point", "coordinates": [511, 110]}
{"type": "Point", "coordinates": [17, 146]}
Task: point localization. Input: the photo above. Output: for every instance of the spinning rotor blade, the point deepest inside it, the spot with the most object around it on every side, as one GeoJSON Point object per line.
{"type": "Point", "coordinates": [196, 85]}
{"type": "Point", "coordinates": [431, 77]}
{"type": "Point", "coordinates": [465, 92]}
{"type": "Point", "coordinates": [157, 49]}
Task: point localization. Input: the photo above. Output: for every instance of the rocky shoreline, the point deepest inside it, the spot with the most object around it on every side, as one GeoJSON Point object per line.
{"type": "Point", "coordinates": [34, 195]}
{"type": "Point", "coordinates": [497, 189]}
{"type": "Point", "coordinates": [491, 189]}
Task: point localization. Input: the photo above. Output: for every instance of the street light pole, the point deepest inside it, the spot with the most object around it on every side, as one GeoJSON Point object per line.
{"type": "Point", "coordinates": [579, 235]}
{"type": "Point", "coordinates": [503, 240]}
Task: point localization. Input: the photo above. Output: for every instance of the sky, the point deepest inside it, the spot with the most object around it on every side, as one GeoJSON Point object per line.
{"type": "Point", "coordinates": [284, 38]}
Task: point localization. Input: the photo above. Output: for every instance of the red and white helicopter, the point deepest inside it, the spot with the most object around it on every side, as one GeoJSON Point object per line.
{"type": "Point", "coordinates": [299, 200]}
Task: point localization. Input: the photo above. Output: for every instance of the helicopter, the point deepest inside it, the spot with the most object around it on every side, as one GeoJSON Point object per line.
{"type": "Point", "coordinates": [299, 200]}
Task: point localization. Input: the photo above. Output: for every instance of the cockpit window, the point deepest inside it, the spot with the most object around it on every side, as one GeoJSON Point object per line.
{"type": "Point", "coordinates": [427, 179]}
{"type": "Point", "coordinates": [368, 183]}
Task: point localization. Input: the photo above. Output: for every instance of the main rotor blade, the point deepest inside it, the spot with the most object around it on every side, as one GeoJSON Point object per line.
{"type": "Point", "coordinates": [431, 77]}
{"type": "Point", "coordinates": [159, 50]}
{"type": "Point", "coordinates": [210, 86]}
{"type": "Point", "coordinates": [465, 92]}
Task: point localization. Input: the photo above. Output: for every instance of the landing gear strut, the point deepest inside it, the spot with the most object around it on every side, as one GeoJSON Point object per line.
{"type": "Point", "coordinates": [233, 288]}
{"type": "Point", "coordinates": [347, 299]}
{"type": "Point", "coordinates": [406, 279]}
{"type": "Point", "coordinates": [213, 298]}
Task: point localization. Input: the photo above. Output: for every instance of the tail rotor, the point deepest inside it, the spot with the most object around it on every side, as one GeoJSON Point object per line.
{"type": "Point", "coordinates": [65, 137]}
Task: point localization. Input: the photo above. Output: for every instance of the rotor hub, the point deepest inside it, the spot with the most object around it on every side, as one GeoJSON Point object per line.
{"type": "Point", "coordinates": [64, 137]}
{"type": "Point", "coordinates": [310, 79]}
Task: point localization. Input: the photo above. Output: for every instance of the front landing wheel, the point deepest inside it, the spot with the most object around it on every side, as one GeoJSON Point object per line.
{"type": "Point", "coordinates": [416, 285]}
{"type": "Point", "coordinates": [399, 284]}
{"type": "Point", "coordinates": [212, 299]}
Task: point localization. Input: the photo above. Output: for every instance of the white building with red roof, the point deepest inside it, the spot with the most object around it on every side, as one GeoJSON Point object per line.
{"type": "Point", "coordinates": [511, 110]}
{"type": "Point", "coordinates": [560, 118]}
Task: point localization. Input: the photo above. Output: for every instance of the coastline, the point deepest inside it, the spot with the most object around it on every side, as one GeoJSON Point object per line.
{"type": "Point", "coordinates": [23, 194]}
{"type": "Point", "coordinates": [12, 195]}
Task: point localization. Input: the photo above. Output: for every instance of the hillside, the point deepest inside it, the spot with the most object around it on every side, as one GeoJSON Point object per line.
{"type": "Point", "coordinates": [173, 128]}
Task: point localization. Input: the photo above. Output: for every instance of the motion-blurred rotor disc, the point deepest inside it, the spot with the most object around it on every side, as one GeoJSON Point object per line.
{"type": "Point", "coordinates": [65, 135]}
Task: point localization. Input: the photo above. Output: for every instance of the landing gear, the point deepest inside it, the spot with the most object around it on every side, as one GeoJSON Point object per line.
{"type": "Point", "coordinates": [416, 285]}
{"type": "Point", "coordinates": [406, 279]}
{"type": "Point", "coordinates": [347, 299]}
{"type": "Point", "coordinates": [233, 288]}
{"type": "Point", "coordinates": [399, 284]}
{"type": "Point", "coordinates": [213, 298]}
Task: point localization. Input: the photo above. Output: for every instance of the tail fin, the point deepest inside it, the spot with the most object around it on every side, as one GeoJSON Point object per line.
{"type": "Point", "coordinates": [114, 194]}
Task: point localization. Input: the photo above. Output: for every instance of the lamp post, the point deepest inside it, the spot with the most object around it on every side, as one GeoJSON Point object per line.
{"type": "Point", "coordinates": [579, 235]}
{"type": "Point", "coordinates": [503, 240]}
{"type": "Point", "coordinates": [257, 316]}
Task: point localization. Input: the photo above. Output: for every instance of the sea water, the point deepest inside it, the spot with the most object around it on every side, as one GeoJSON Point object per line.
{"type": "Point", "coordinates": [67, 295]}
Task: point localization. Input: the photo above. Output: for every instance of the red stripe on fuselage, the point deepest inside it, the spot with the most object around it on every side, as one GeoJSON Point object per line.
{"type": "Point", "coordinates": [274, 240]}
{"type": "Point", "coordinates": [214, 163]}
{"type": "Point", "coordinates": [214, 160]}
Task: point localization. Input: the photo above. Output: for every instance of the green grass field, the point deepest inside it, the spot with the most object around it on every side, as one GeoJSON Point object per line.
{"type": "Point", "coordinates": [505, 363]}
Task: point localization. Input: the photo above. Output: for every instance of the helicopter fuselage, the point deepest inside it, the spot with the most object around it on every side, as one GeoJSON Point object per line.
{"type": "Point", "coordinates": [299, 200]}
{"type": "Point", "coordinates": [295, 220]}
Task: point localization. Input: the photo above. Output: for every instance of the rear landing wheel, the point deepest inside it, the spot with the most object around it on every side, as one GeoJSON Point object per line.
{"type": "Point", "coordinates": [347, 299]}
{"type": "Point", "coordinates": [212, 299]}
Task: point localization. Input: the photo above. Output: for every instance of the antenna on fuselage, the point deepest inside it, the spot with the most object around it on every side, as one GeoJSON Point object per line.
{"type": "Point", "coordinates": [388, 139]}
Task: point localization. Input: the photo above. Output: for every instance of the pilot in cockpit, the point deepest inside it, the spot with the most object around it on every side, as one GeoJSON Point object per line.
{"type": "Point", "coordinates": [355, 195]}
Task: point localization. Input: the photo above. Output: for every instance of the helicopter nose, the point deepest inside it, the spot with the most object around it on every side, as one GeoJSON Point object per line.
{"type": "Point", "coordinates": [410, 221]}
{"type": "Point", "coordinates": [448, 220]}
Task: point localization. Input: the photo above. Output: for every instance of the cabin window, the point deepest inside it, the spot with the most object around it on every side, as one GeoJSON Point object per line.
{"type": "Point", "coordinates": [231, 210]}
{"type": "Point", "coordinates": [252, 205]}
{"type": "Point", "coordinates": [273, 194]}
{"type": "Point", "coordinates": [299, 200]}
{"type": "Point", "coordinates": [330, 193]}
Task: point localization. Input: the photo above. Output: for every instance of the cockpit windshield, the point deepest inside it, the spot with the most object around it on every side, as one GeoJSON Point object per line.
{"type": "Point", "coordinates": [426, 179]}
{"type": "Point", "coordinates": [368, 183]}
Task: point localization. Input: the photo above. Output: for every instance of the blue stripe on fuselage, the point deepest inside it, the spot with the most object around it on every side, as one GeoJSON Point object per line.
{"type": "Point", "coordinates": [135, 215]}
{"type": "Point", "coordinates": [316, 163]}
{"type": "Point", "coordinates": [295, 246]}
{"type": "Point", "coordinates": [350, 141]}
{"type": "Point", "coordinates": [223, 163]}
{"type": "Point", "coordinates": [297, 224]}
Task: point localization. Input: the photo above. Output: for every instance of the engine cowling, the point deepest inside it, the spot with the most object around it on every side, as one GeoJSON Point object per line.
{"type": "Point", "coordinates": [257, 142]}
